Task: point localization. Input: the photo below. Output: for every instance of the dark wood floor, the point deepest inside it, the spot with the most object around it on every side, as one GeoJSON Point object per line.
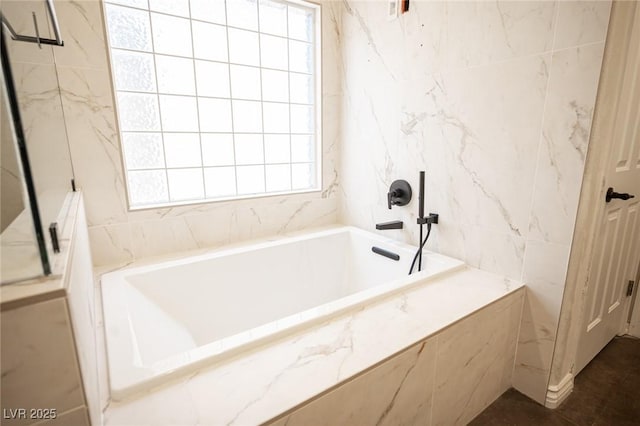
{"type": "Point", "coordinates": [606, 392]}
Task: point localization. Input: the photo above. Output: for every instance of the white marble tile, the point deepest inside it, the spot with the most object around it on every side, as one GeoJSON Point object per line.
{"type": "Point", "coordinates": [474, 362]}
{"type": "Point", "coordinates": [19, 15]}
{"type": "Point", "coordinates": [544, 274]}
{"type": "Point", "coordinates": [444, 35]}
{"type": "Point", "coordinates": [574, 76]}
{"type": "Point", "coordinates": [82, 310]}
{"type": "Point", "coordinates": [111, 244]}
{"type": "Point", "coordinates": [581, 22]}
{"type": "Point", "coordinates": [267, 381]}
{"type": "Point", "coordinates": [486, 249]}
{"type": "Point", "coordinates": [20, 254]}
{"type": "Point", "coordinates": [205, 226]}
{"type": "Point", "coordinates": [39, 365]}
{"type": "Point", "coordinates": [76, 417]}
{"type": "Point", "coordinates": [81, 26]}
{"type": "Point", "coordinates": [93, 142]}
{"type": "Point", "coordinates": [469, 158]}
{"type": "Point", "coordinates": [482, 32]}
{"type": "Point", "coordinates": [46, 139]}
{"type": "Point", "coordinates": [158, 237]}
{"type": "Point", "coordinates": [13, 195]}
{"type": "Point", "coordinates": [399, 391]}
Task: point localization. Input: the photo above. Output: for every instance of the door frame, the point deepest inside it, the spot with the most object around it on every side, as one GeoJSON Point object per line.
{"type": "Point", "coordinates": [591, 205]}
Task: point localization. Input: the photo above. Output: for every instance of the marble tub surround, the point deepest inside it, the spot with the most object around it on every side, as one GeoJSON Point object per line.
{"type": "Point", "coordinates": [494, 100]}
{"type": "Point", "coordinates": [119, 236]}
{"type": "Point", "coordinates": [48, 345]}
{"type": "Point", "coordinates": [42, 287]}
{"type": "Point", "coordinates": [298, 367]}
{"type": "Point", "coordinates": [39, 365]}
{"type": "Point", "coordinates": [293, 283]}
{"type": "Point", "coordinates": [446, 379]}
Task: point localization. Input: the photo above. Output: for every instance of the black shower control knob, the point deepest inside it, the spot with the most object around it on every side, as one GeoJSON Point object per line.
{"type": "Point", "coordinates": [399, 194]}
{"type": "Point", "coordinates": [611, 194]}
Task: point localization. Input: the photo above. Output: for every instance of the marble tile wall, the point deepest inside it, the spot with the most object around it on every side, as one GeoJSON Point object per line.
{"type": "Point", "coordinates": [118, 235]}
{"type": "Point", "coordinates": [494, 100]}
{"type": "Point", "coordinates": [446, 379]}
{"type": "Point", "coordinates": [39, 365]}
{"type": "Point", "coordinates": [81, 298]}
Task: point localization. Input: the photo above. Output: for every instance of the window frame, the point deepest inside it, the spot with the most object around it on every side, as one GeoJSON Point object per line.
{"type": "Point", "coordinates": [317, 107]}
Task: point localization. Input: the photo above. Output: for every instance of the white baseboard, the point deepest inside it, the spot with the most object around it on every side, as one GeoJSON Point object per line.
{"type": "Point", "coordinates": [558, 393]}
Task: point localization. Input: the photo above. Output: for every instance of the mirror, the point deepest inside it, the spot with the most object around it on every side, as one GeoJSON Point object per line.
{"type": "Point", "coordinates": [49, 172]}
{"type": "Point", "coordinates": [12, 202]}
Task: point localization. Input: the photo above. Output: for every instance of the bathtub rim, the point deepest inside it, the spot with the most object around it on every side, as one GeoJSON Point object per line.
{"type": "Point", "coordinates": [214, 353]}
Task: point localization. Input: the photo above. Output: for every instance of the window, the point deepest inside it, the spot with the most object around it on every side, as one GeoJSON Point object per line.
{"type": "Point", "coordinates": [216, 99]}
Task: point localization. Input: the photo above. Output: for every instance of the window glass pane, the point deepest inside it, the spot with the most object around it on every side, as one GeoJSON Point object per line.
{"type": "Point", "coordinates": [302, 176]}
{"type": "Point", "coordinates": [179, 113]}
{"type": "Point", "coordinates": [217, 149]}
{"type": "Point", "coordinates": [185, 184]}
{"type": "Point", "coordinates": [302, 149]}
{"type": "Point", "coordinates": [209, 41]}
{"type": "Point", "coordinates": [278, 178]}
{"type": "Point", "coordinates": [220, 181]}
{"type": "Point", "coordinates": [249, 149]}
{"type": "Point", "coordinates": [128, 28]}
{"type": "Point", "coordinates": [245, 82]}
{"type": "Point", "coordinates": [215, 115]}
{"type": "Point", "coordinates": [275, 86]}
{"type": "Point", "coordinates": [182, 149]}
{"type": "Point", "coordinates": [276, 149]}
{"type": "Point", "coordinates": [300, 23]}
{"type": "Point", "coordinates": [138, 111]}
{"type": "Point", "coordinates": [300, 56]}
{"type": "Point", "coordinates": [273, 52]}
{"type": "Point", "coordinates": [147, 187]}
{"type": "Point", "coordinates": [243, 47]}
{"type": "Point", "coordinates": [301, 88]}
{"type": "Point", "coordinates": [215, 98]}
{"type": "Point", "coordinates": [175, 75]}
{"type": "Point", "coordinates": [208, 10]}
{"type": "Point", "coordinates": [276, 117]}
{"type": "Point", "coordinates": [212, 79]}
{"type": "Point", "coordinates": [301, 119]}
{"type": "Point", "coordinates": [143, 150]}
{"type": "Point", "coordinates": [133, 71]}
{"type": "Point", "coordinates": [171, 35]}
{"type": "Point", "coordinates": [247, 117]}
{"type": "Point", "coordinates": [142, 4]}
{"type": "Point", "coordinates": [172, 7]}
{"type": "Point", "coordinates": [242, 14]}
{"type": "Point", "coordinates": [273, 17]}
{"type": "Point", "coordinates": [250, 179]}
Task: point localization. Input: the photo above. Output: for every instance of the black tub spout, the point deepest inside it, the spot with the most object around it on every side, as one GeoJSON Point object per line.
{"type": "Point", "coordinates": [396, 224]}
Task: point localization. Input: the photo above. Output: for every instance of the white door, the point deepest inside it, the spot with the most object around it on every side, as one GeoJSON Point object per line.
{"type": "Point", "coordinates": [617, 251]}
{"type": "Point", "coordinates": [634, 320]}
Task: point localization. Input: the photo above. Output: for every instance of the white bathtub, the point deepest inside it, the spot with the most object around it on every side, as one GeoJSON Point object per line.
{"type": "Point", "coordinates": [170, 318]}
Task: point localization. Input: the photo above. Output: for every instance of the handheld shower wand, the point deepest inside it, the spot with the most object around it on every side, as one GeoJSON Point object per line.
{"type": "Point", "coordinates": [429, 220]}
{"type": "Point", "coordinates": [421, 216]}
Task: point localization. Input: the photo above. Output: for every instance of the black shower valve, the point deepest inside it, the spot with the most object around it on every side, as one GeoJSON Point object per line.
{"type": "Point", "coordinates": [399, 193]}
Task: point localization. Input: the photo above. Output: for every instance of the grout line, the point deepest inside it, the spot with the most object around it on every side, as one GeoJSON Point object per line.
{"type": "Point", "coordinates": [155, 73]}
{"type": "Point", "coordinates": [195, 85]}
{"type": "Point", "coordinates": [262, 103]}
